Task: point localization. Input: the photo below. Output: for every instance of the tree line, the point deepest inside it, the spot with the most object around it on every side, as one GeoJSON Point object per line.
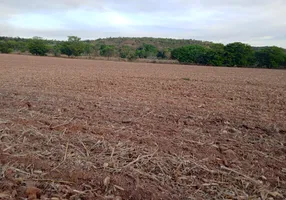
{"type": "Point", "coordinates": [213, 54]}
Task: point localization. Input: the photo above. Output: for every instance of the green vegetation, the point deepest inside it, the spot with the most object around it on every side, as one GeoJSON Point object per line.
{"type": "Point", "coordinates": [73, 47]}
{"type": "Point", "coordinates": [233, 55]}
{"type": "Point", "coordinates": [239, 54]}
{"type": "Point", "coordinates": [215, 55]}
{"type": "Point", "coordinates": [5, 47]}
{"type": "Point", "coordinates": [271, 57]}
{"type": "Point", "coordinates": [147, 51]}
{"type": "Point", "coordinates": [192, 54]}
{"type": "Point", "coordinates": [127, 52]}
{"type": "Point", "coordinates": [185, 51]}
{"type": "Point", "coordinates": [107, 51]}
{"type": "Point", "coordinates": [37, 46]}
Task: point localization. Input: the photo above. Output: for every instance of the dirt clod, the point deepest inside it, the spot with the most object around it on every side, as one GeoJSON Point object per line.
{"type": "Point", "coordinates": [33, 193]}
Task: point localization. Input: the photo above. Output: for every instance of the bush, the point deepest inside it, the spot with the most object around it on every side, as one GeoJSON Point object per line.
{"type": "Point", "coordinates": [107, 50]}
{"type": "Point", "coordinates": [147, 51]}
{"type": "Point", "coordinates": [164, 54]}
{"type": "Point", "coordinates": [127, 52]}
{"type": "Point", "coordinates": [37, 46]}
{"type": "Point", "coordinates": [73, 47]}
{"type": "Point", "coordinates": [56, 50]}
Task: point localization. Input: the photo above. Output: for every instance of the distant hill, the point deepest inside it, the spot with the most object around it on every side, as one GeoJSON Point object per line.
{"type": "Point", "coordinates": [134, 42]}
{"type": "Point", "coordinates": [160, 43]}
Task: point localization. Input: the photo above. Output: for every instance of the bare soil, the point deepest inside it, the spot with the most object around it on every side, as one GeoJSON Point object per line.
{"type": "Point", "coordinates": [83, 129]}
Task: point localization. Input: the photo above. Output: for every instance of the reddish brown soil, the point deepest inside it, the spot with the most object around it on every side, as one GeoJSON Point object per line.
{"type": "Point", "coordinates": [81, 129]}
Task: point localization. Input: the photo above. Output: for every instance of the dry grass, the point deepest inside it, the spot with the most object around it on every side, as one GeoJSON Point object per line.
{"type": "Point", "coordinates": [172, 173]}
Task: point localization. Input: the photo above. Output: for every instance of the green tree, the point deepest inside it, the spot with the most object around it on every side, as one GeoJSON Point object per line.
{"type": "Point", "coordinates": [284, 63]}
{"type": "Point", "coordinates": [12, 44]}
{"type": "Point", "coordinates": [5, 48]}
{"type": "Point", "coordinates": [191, 54]}
{"type": "Point", "coordinates": [127, 52]}
{"type": "Point", "coordinates": [147, 51]}
{"type": "Point", "coordinates": [107, 50]}
{"type": "Point", "coordinates": [215, 55]}
{"type": "Point", "coordinates": [270, 57]}
{"type": "Point", "coordinates": [239, 54]}
{"type": "Point", "coordinates": [87, 48]}
{"type": "Point", "coordinates": [72, 47]}
{"type": "Point", "coordinates": [37, 46]}
{"type": "Point", "coordinates": [23, 46]}
{"type": "Point", "coordinates": [56, 50]}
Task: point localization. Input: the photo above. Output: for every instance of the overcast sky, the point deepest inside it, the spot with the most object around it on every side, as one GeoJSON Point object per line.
{"type": "Point", "coordinates": [256, 22]}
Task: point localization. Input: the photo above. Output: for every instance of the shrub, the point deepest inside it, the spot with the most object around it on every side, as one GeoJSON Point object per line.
{"type": "Point", "coordinates": [37, 46]}
{"type": "Point", "coordinates": [147, 51]}
{"type": "Point", "coordinates": [72, 47]}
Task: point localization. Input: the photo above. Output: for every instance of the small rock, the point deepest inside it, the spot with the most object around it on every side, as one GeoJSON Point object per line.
{"type": "Point", "coordinates": [126, 121]}
{"type": "Point", "coordinates": [105, 165]}
{"type": "Point", "coordinates": [117, 198]}
{"type": "Point", "coordinates": [233, 130]}
{"type": "Point", "coordinates": [33, 193]}
{"type": "Point", "coordinates": [29, 104]}
{"type": "Point", "coordinates": [187, 131]}
{"type": "Point", "coordinates": [226, 122]}
{"type": "Point", "coordinates": [106, 181]}
{"type": "Point", "coordinates": [222, 148]}
{"type": "Point", "coordinates": [230, 155]}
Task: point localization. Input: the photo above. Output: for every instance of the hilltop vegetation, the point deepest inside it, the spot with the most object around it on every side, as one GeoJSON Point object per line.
{"type": "Point", "coordinates": [185, 51]}
{"type": "Point", "coordinates": [160, 43]}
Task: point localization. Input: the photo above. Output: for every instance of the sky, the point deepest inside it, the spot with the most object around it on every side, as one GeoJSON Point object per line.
{"type": "Point", "coordinates": [256, 22]}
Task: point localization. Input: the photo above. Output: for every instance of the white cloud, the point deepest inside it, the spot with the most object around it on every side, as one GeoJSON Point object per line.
{"type": "Point", "coordinates": [258, 22]}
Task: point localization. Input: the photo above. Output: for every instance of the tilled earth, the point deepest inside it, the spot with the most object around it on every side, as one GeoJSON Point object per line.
{"type": "Point", "coordinates": [82, 129]}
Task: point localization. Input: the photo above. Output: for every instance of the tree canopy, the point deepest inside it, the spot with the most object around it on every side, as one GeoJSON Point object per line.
{"type": "Point", "coordinates": [270, 57]}
{"type": "Point", "coordinates": [192, 54]}
{"type": "Point", "coordinates": [215, 55]}
{"type": "Point", "coordinates": [37, 46]}
{"type": "Point", "coordinates": [147, 51]}
{"type": "Point", "coordinates": [107, 50]}
{"type": "Point", "coordinates": [72, 47]}
{"type": "Point", "coordinates": [239, 54]}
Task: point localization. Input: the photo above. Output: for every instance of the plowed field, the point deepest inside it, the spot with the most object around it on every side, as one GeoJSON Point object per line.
{"type": "Point", "coordinates": [82, 129]}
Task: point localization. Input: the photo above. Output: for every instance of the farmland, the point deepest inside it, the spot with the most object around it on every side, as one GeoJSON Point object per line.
{"type": "Point", "coordinates": [83, 129]}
